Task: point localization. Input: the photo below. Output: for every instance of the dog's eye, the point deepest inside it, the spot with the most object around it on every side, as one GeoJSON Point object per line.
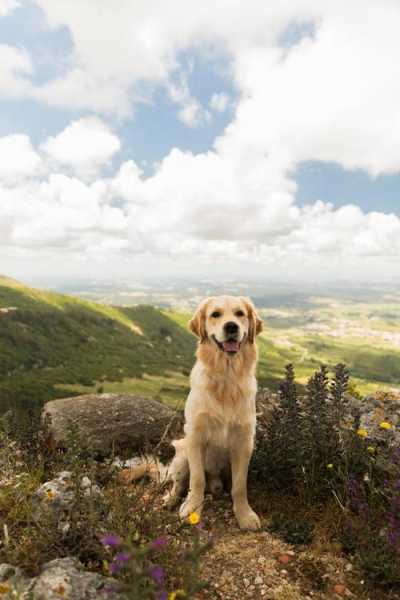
{"type": "Point", "coordinates": [215, 314]}
{"type": "Point", "coordinates": [239, 313]}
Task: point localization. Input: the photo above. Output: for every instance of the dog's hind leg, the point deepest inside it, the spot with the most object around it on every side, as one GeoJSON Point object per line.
{"type": "Point", "coordinates": [178, 473]}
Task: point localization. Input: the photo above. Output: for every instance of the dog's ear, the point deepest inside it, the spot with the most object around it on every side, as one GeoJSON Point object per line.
{"type": "Point", "coordinates": [197, 323]}
{"type": "Point", "coordinates": [255, 323]}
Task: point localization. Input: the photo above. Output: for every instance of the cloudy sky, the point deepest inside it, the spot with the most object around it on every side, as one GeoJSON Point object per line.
{"type": "Point", "coordinates": [207, 137]}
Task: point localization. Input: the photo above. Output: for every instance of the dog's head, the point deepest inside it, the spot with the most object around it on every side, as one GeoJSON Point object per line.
{"type": "Point", "coordinates": [227, 322]}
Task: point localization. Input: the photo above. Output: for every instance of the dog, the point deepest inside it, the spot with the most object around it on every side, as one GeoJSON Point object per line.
{"type": "Point", "coordinates": [220, 411]}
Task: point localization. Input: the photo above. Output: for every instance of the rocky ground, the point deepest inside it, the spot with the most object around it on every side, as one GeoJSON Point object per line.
{"type": "Point", "coordinates": [260, 565]}
{"type": "Point", "coordinates": [239, 564]}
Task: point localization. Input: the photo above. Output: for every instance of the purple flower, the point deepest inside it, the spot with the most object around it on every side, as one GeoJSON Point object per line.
{"type": "Point", "coordinates": [158, 543]}
{"type": "Point", "coordinates": [115, 568]}
{"type": "Point", "coordinates": [122, 557]}
{"type": "Point", "coordinates": [157, 574]}
{"type": "Point", "coordinates": [162, 595]}
{"type": "Point", "coordinates": [111, 539]}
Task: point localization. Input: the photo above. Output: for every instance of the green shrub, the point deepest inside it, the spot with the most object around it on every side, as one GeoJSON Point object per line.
{"type": "Point", "coordinates": [292, 531]}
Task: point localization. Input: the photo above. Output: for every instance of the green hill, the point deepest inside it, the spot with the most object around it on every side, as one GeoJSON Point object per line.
{"type": "Point", "coordinates": [52, 345]}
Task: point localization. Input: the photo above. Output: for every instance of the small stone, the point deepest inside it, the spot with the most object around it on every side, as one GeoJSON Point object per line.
{"type": "Point", "coordinates": [246, 582]}
{"type": "Point", "coordinates": [284, 559]}
{"type": "Point", "coordinates": [284, 572]}
{"type": "Point", "coordinates": [258, 580]}
{"type": "Point", "coordinates": [339, 589]}
{"type": "Point", "coordinates": [291, 552]}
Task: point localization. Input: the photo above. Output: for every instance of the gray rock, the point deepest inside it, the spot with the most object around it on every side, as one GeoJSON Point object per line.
{"type": "Point", "coordinates": [375, 409]}
{"type": "Point", "coordinates": [60, 578]}
{"type": "Point", "coordinates": [52, 501]}
{"type": "Point", "coordinates": [67, 576]}
{"type": "Point", "coordinates": [107, 422]}
{"type": "Point", "coordinates": [13, 580]}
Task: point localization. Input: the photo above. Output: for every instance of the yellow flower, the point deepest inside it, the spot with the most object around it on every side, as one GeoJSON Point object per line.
{"type": "Point", "coordinates": [385, 425]}
{"type": "Point", "coordinates": [194, 518]}
{"type": "Point", "coordinates": [371, 449]}
{"type": "Point", "coordinates": [176, 594]}
{"type": "Point", "coordinates": [50, 495]}
{"type": "Point", "coordinates": [5, 588]}
{"type": "Point", "coordinates": [362, 433]}
{"type": "Point", "coordinates": [330, 466]}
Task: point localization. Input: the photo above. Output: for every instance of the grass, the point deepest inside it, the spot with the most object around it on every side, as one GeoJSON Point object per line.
{"type": "Point", "coordinates": [52, 342]}
{"type": "Point", "coordinates": [171, 388]}
{"type": "Point", "coordinates": [55, 345]}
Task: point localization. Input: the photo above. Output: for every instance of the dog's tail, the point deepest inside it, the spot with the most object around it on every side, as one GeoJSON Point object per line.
{"type": "Point", "coordinates": [149, 466]}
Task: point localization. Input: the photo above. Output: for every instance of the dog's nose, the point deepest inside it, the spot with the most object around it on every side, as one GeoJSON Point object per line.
{"type": "Point", "coordinates": [231, 327]}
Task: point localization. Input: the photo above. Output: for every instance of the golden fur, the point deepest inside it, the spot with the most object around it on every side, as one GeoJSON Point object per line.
{"type": "Point", "coordinates": [220, 413]}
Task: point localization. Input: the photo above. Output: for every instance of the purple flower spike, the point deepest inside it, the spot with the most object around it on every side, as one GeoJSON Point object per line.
{"type": "Point", "coordinates": [157, 574]}
{"type": "Point", "coordinates": [159, 543]}
{"type": "Point", "coordinates": [111, 539]}
{"type": "Point", "coordinates": [122, 557]}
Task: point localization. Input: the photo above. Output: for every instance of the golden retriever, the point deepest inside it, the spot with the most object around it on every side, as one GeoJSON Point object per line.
{"type": "Point", "coordinates": [220, 412]}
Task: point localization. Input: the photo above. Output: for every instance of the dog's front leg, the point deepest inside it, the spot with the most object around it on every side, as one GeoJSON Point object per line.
{"type": "Point", "coordinates": [195, 450]}
{"type": "Point", "coordinates": [241, 451]}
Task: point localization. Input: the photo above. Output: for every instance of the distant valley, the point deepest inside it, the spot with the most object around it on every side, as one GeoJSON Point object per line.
{"type": "Point", "coordinates": [136, 339]}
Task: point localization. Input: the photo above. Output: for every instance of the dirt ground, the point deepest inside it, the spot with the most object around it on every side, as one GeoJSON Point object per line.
{"type": "Point", "coordinates": [260, 565]}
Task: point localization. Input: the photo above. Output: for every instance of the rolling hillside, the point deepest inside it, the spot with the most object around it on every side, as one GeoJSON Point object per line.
{"type": "Point", "coordinates": [54, 345]}
{"type": "Point", "coordinates": [50, 343]}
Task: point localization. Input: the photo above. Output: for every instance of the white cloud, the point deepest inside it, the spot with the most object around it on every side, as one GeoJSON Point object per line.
{"type": "Point", "coordinates": [7, 6]}
{"type": "Point", "coordinates": [19, 160]}
{"type": "Point", "coordinates": [332, 97]}
{"type": "Point", "coordinates": [192, 113]}
{"type": "Point", "coordinates": [15, 65]}
{"type": "Point", "coordinates": [207, 207]}
{"type": "Point", "coordinates": [85, 146]}
{"type": "Point", "coordinates": [219, 102]}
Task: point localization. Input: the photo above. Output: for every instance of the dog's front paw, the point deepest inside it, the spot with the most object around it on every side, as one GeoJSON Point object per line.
{"type": "Point", "coordinates": [190, 505]}
{"type": "Point", "coordinates": [247, 518]}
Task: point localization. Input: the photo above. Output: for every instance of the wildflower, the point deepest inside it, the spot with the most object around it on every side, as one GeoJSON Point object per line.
{"type": "Point", "coordinates": [50, 495]}
{"type": "Point", "coordinates": [176, 594]}
{"type": "Point", "coordinates": [158, 543]}
{"type": "Point", "coordinates": [371, 449]}
{"type": "Point", "coordinates": [5, 587]}
{"type": "Point", "coordinates": [157, 574]}
{"type": "Point", "coordinates": [110, 539]}
{"type": "Point", "coordinates": [385, 425]}
{"type": "Point", "coordinates": [115, 568]}
{"type": "Point", "coordinates": [194, 518]}
{"type": "Point", "coordinates": [363, 433]}
{"type": "Point", "coordinates": [122, 557]}
{"type": "Point", "coordinates": [329, 466]}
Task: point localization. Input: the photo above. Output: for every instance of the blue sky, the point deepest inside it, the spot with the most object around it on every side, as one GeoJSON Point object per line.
{"type": "Point", "coordinates": [222, 114]}
{"type": "Point", "coordinates": [328, 181]}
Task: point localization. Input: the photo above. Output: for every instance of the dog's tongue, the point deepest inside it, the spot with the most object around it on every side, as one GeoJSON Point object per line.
{"type": "Point", "coordinates": [231, 346]}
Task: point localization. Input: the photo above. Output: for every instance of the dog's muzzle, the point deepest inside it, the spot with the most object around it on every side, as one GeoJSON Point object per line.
{"type": "Point", "coordinates": [231, 344]}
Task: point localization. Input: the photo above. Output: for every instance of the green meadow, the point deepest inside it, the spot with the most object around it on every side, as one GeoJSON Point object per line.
{"type": "Point", "coordinates": [53, 345]}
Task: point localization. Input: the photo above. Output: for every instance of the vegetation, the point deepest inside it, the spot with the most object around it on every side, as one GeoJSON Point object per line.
{"type": "Point", "coordinates": [52, 341]}
{"type": "Point", "coordinates": [120, 531]}
{"type": "Point", "coordinates": [314, 450]}
{"type": "Point", "coordinates": [55, 345]}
